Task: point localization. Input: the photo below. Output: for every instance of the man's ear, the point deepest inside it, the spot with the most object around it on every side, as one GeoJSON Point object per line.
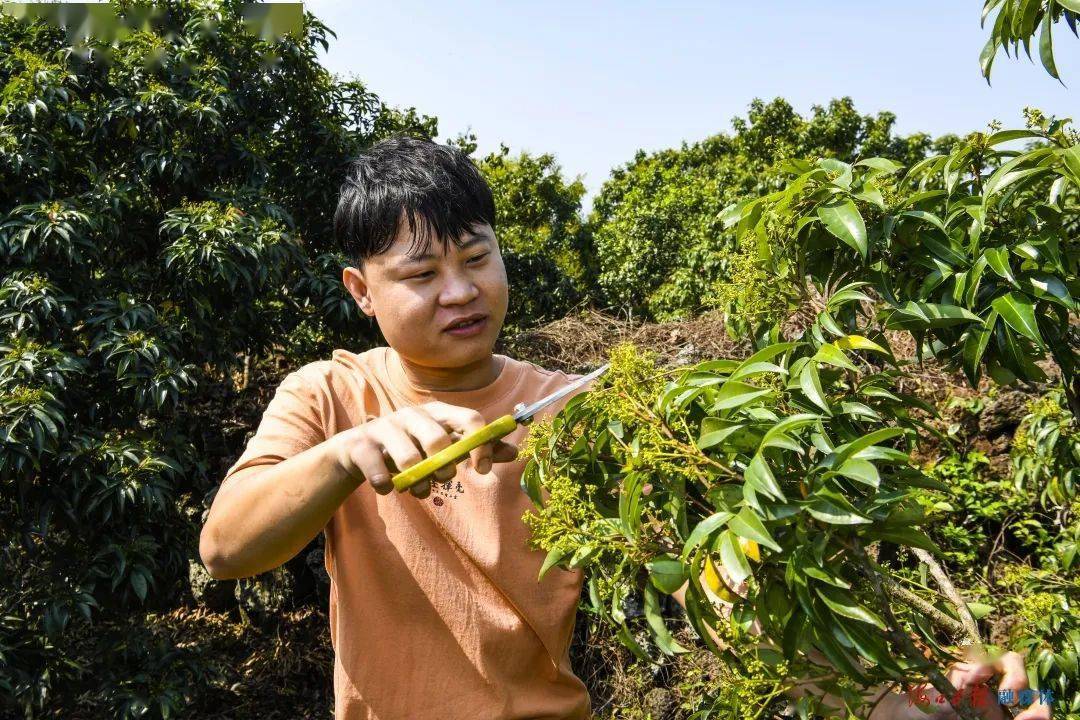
{"type": "Point", "coordinates": [358, 288]}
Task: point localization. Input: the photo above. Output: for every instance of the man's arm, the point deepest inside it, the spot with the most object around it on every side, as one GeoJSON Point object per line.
{"type": "Point", "coordinates": [260, 523]}
{"type": "Point", "coordinates": [265, 518]}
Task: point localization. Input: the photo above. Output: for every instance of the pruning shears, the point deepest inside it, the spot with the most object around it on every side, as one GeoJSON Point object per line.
{"type": "Point", "coordinates": [500, 428]}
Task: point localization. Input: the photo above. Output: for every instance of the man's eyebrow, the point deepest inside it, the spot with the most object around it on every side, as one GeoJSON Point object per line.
{"type": "Point", "coordinates": [471, 242]}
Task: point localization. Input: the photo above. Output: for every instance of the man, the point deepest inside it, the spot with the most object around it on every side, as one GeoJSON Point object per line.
{"type": "Point", "coordinates": [435, 607]}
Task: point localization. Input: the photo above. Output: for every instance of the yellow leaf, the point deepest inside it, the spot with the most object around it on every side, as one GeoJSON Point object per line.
{"type": "Point", "coordinates": [750, 549]}
{"type": "Point", "coordinates": [716, 583]}
{"type": "Point", "coordinates": [858, 342]}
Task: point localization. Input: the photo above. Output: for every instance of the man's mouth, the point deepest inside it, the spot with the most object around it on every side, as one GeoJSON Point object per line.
{"type": "Point", "coordinates": [466, 326]}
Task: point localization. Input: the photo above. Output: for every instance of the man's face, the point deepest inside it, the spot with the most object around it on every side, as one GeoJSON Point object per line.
{"type": "Point", "coordinates": [440, 308]}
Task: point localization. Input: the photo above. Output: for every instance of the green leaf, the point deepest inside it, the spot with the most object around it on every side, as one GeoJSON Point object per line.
{"type": "Point", "coordinates": [703, 530]}
{"type": "Point", "coordinates": [844, 220]}
{"type": "Point", "coordinates": [842, 169]}
{"type": "Point", "coordinates": [819, 574]}
{"type": "Point", "coordinates": [828, 510]}
{"type": "Point", "coordinates": [734, 394]}
{"type": "Point", "coordinates": [986, 57]}
{"type": "Point", "coordinates": [880, 164]}
{"type": "Point", "coordinates": [582, 556]}
{"type": "Point", "coordinates": [629, 504]}
{"type": "Point", "coordinates": [759, 475]}
{"type": "Point", "coordinates": [847, 294]}
{"type": "Point", "coordinates": [766, 353]}
{"type": "Point", "coordinates": [553, 557]}
{"type": "Point", "coordinates": [928, 217]}
{"type": "Point", "coordinates": [1010, 172]}
{"type": "Point", "coordinates": [781, 440]}
{"type": "Point", "coordinates": [905, 536]}
{"type": "Point", "coordinates": [860, 470]}
{"type": "Point", "coordinates": [793, 633]}
{"type": "Point", "coordinates": [979, 610]}
{"type": "Point", "coordinates": [883, 454]}
{"type": "Point", "coordinates": [843, 452]}
{"type": "Point", "coordinates": [870, 194]}
{"type": "Point", "coordinates": [733, 558]}
{"type": "Point", "coordinates": [1052, 288]}
{"type": "Point", "coordinates": [976, 339]}
{"type": "Point", "coordinates": [748, 525]}
{"type": "Point", "coordinates": [715, 437]}
{"type": "Point", "coordinates": [974, 279]}
{"type": "Point", "coordinates": [810, 384]}
{"type": "Point", "coordinates": [1010, 135]}
{"type": "Point", "coordinates": [1071, 156]}
{"type": "Point", "coordinates": [859, 409]}
{"type": "Point", "coordinates": [667, 574]}
{"type": "Point", "coordinates": [843, 603]}
{"type": "Point", "coordinates": [792, 422]}
{"type": "Point", "coordinates": [858, 342]}
{"type": "Point", "coordinates": [829, 353]}
{"type": "Point", "coordinates": [1046, 46]}
{"type": "Point", "coordinates": [999, 262]}
{"type": "Point", "coordinates": [661, 634]}
{"type": "Point", "coordinates": [138, 584]}
{"type": "Point", "coordinates": [914, 316]}
{"type": "Point", "coordinates": [731, 214]}
{"type": "Point", "coordinates": [627, 639]}
{"type": "Point", "coordinates": [1019, 313]}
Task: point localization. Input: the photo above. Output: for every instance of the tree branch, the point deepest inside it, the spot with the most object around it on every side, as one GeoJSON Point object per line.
{"type": "Point", "coordinates": [971, 628]}
{"type": "Point", "coordinates": [900, 638]}
{"type": "Point", "coordinates": [897, 590]}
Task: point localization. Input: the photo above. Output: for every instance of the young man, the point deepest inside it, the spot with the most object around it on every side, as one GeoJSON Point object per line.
{"type": "Point", "coordinates": [435, 607]}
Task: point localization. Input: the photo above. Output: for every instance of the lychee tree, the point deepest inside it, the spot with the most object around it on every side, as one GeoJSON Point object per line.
{"type": "Point", "coordinates": [777, 491]}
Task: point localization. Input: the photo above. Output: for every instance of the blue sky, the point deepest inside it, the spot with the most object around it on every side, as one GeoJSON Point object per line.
{"type": "Point", "coordinates": [592, 82]}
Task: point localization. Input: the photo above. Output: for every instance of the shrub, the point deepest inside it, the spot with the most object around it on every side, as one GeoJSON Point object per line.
{"type": "Point", "coordinates": [973, 251]}
{"type": "Point", "coordinates": [1046, 451]}
{"type": "Point", "coordinates": [779, 471]}
{"type": "Point", "coordinates": [659, 241]}
{"type": "Point", "coordinates": [166, 204]}
{"type": "Point", "coordinates": [538, 217]}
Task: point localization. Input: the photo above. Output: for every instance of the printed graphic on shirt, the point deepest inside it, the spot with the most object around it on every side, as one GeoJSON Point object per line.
{"type": "Point", "coordinates": [443, 490]}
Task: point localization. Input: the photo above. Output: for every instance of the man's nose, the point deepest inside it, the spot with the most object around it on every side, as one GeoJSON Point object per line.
{"type": "Point", "coordinates": [459, 289]}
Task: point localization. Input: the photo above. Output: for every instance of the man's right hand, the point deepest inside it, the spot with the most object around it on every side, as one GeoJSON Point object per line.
{"type": "Point", "coordinates": [407, 436]}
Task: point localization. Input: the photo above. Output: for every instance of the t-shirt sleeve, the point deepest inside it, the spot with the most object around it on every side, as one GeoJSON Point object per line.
{"type": "Point", "coordinates": [291, 423]}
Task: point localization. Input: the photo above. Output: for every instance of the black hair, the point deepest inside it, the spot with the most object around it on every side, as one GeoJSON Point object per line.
{"type": "Point", "coordinates": [437, 187]}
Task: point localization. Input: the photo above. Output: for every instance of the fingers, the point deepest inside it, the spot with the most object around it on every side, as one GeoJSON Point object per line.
{"type": "Point", "coordinates": [407, 436]}
{"type": "Point", "coordinates": [1013, 672]}
{"type": "Point", "coordinates": [967, 674]}
{"type": "Point", "coordinates": [1036, 711]}
{"type": "Point", "coordinates": [367, 456]}
{"type": "Point", "coordinates": [504, 452]}
{"type": "Point", "coordinates": [421, 489]}
{"type": "Point", "coordinates": [973, 678]}
{"type": "Point", "coordinates": [429, 436]}
{"type": "Point", "coordinates": [1014, 677]}
{"type": "Point", "coordinates": [464, 421]}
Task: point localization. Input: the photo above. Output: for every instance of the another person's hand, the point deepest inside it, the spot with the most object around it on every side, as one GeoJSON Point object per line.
{"type": "Point", "coordinates": [407, 436]}
{"type": "Point", "coordinates": [973, 681]}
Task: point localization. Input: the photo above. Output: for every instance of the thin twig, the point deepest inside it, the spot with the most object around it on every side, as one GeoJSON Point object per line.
{"type": "Point", "coordinates": [997, 545]}
{"type": "Point", "coordinates": [943, 620]}
{"type": "Point", "coordinates": [971, 628]}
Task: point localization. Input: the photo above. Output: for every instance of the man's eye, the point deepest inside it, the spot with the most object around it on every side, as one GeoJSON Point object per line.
{"type": "Point", "coordinates": [423, 276]}
{"type": "Point", "coordinates": [478, 258]}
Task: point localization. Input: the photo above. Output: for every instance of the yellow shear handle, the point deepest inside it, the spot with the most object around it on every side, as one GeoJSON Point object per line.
{"type": "Point", "coordinates": [450, 455]}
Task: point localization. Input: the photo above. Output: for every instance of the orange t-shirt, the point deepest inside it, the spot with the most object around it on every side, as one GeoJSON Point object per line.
{"type": "Point", "coordinates": [435, 607]}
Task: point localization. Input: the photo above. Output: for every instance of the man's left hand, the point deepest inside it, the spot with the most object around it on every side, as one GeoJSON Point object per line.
{"type": "Point", "coordinates": [973, 682]}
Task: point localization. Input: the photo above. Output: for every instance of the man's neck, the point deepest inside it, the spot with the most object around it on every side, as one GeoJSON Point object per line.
{"type": "Point", "coordinates": [469, 377]}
